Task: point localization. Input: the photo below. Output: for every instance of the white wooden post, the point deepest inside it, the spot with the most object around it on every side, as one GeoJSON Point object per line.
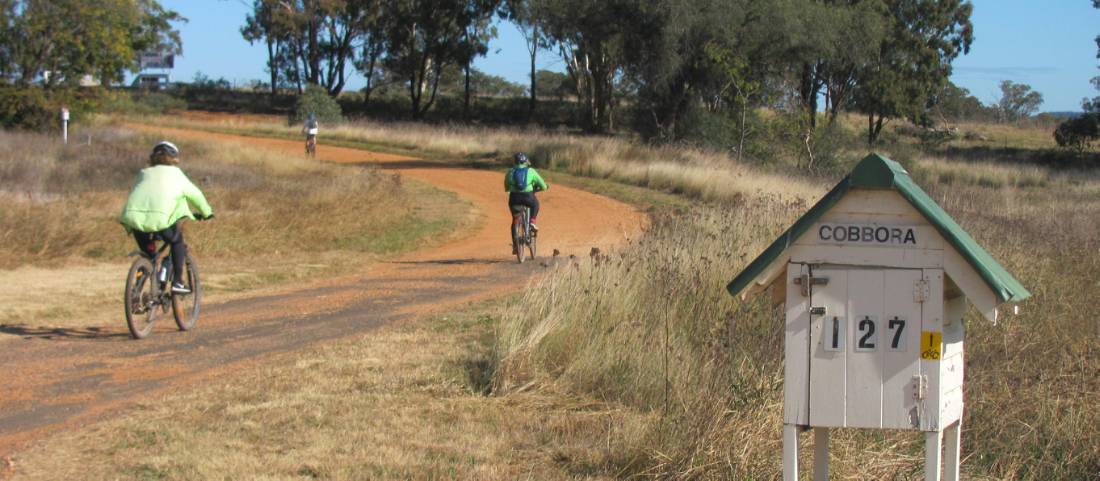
{"type": "Point", "coordinates": [790, 452]}
{"type": "Point", "coordinates": [933, 447]}
{"type": "Point", "coordinates": [821, 454]}
{"type": "Point", "coordinates": [65, 124]}
{"type": "Point", "coordinates": [953, 434]}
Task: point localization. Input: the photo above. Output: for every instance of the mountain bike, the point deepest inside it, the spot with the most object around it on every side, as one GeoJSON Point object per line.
{"type": "Point", "coordinates": [523, 236]}
{"type": "Point", "coordinates": [149, 291]}
{"type": "Point", "coordinates": [311, 145]}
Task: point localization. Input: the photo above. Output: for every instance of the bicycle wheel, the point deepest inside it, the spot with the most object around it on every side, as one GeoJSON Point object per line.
{"type": "Point", "coordinates": [139, 299]}
{"type": "Point", "coordinates": [185, 307]}
{"type": "Point", "coordinates": [532, 241]}
{"type": "Point", "coordinates": [528, 234]}
{"type": "Point", "coordinates": [517, 241]}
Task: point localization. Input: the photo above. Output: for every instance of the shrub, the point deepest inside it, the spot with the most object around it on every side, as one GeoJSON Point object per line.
{"type": "Point", "coordinates": [317, 101]}
{"type": "Point", "coordinates": [1078, 133]}
{"type": "Point", "coordinates": [35, 108]}
{"type": "Point", "coordinates": [140, 102]}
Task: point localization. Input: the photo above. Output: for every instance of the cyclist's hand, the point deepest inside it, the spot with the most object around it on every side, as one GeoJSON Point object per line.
{"type": "Point", "coordinates": [199, 216]}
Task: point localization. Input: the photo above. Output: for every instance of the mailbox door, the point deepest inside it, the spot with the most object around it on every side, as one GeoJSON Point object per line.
{"type": "Point", "coordinates": [865, 348]}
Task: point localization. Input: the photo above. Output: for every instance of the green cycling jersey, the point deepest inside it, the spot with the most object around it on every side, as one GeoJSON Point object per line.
{"type": "Point", "coordinates": [526, 174]}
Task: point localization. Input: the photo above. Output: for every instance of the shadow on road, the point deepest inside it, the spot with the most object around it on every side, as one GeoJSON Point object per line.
{"type": "Point", "coordinates": [455, 262]}
{"type": "Point", "coordinates": [56, 333]}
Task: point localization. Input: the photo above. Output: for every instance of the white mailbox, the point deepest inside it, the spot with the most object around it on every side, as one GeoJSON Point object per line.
{"type": "Point", "coordinates": [875, 280]}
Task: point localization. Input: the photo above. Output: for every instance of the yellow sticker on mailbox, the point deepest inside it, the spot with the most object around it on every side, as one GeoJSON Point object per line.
{"type": "Point", "coordinates": [931, 344]}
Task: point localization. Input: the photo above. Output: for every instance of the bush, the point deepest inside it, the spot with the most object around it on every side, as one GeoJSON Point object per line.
{"type": "Point", "coordinates": [1078, 133]}
{"type": "Point", "coordinates": [140, 102]}
{"type": "Point", "coordinates": [317, 101]}
{"type": "Point", "coordinates": [35, 108]}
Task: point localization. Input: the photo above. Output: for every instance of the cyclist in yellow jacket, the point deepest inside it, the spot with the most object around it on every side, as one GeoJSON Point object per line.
{"type": "Point", "coordinates": [161, 197]}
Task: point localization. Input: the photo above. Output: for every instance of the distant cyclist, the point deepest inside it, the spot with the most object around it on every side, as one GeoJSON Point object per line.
{"type": "Point", "coordinates": [310, 129]}
{"type": "Point", "coordinates": [521, 182]}
{"type": "Point", "coordinates": [160, 199]}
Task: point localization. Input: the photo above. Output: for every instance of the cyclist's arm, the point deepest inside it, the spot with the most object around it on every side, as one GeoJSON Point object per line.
{"type": "Point", "coordinates": [195, 197]}
{"type": "Point", "coordinates": [508, 181]}
{"type": "Point", "coordinates": [537, 181]}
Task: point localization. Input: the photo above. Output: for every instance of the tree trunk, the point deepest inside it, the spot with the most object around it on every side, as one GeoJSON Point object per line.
{"type": "Point", "coordinates": [273, 65]}
{"type": "Point", "coordinates": [370, 79]}
{"type": "Point", "coordinates": [533, 47]}
{"type": "Point", "coordinates": [466, 101]}
{"type": "Point", "coordinates": [874, 127]}
{"type": "Point", "coordinates": [314, 54]}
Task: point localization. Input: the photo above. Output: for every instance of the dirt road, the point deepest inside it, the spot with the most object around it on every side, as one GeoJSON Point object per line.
{"type": "Point", "coordinates": [57, 382]}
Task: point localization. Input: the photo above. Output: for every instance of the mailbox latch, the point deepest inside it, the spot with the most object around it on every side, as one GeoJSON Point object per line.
{"type": "Point", "coordinates": [805, 280]}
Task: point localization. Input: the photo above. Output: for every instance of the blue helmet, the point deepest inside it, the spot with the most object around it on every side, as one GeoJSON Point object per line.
{"type": "Point", "coordinates": [520, 159]}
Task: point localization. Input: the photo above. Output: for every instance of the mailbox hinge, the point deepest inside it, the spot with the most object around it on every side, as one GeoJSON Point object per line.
{"type": "Point", "coordinates": [806, 280]}
{"type": "Point", "coordinates": [921, 291]}
{"type": "Point", "coordinates": [920, 387]}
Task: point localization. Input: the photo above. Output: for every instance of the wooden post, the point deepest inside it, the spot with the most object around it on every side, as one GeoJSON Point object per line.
{"type": "Point", "coordinates": [933, 447]}
{"type": "Point", "coordinates": [953, 434]}
{"type": "Point", "coordinates": [790, 452]}
{"type": "Point", "coordinates": [821, 454]}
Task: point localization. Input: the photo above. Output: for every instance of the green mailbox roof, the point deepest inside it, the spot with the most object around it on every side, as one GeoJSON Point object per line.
{"type": "Point", "coordinates": [878, 172]}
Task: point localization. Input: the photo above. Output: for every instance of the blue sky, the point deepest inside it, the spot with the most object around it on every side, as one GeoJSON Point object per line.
{"type": "Point", "coordinates": [1047, 44]}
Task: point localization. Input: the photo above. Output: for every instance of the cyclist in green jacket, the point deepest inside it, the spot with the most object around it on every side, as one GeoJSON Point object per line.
{"type": "Point", "coordinates": [521, 182]}
{"type": "Point", "coordinates": [158, 201]}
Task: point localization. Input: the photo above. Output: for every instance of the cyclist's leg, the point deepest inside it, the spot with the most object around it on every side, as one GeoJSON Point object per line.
{"type": "Point", "coordinates": [174, 236]}
{"type": "Point", "coordinates": [528, 199]}
{"type": "Point", "coordinates": [534, 205]}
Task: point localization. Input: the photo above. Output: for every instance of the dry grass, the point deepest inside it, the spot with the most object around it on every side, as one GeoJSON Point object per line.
{"type": "Point", "coordinates": [401, 403]}
{"type": "Point", "coordinates": [637, 363]}
{"type": "Point", "coordinates": [693, 173]}
{"type": "Point", "coordinates": [63, 254]}
{"type": "Point", "coordinates": [607, 329]}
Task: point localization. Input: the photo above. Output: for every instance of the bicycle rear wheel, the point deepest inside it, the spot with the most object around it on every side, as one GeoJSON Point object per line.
{"type": "Point", "coordinates": [185, 307]}
{"type": "Point", "coordinates": [139, 299]}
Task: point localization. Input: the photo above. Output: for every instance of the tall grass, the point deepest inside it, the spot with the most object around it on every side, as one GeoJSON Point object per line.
{"type": "Point", "coordinates": [652, 329]}
{"type": "Point", "coordinates": [62, 202]}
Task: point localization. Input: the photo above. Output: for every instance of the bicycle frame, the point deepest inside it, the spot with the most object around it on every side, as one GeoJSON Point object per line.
{"type": "Point", "coordinates": [162, 256]}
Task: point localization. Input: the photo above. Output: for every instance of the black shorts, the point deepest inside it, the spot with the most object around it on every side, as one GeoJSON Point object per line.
{"type": "Point", "coordinates": [528, 199]}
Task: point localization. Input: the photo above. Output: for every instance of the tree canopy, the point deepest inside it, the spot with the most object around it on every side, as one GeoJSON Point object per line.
{"type": "Point", "coordinates": [665, 59]}
{"type": "Point", "coordinates": [61, 41]}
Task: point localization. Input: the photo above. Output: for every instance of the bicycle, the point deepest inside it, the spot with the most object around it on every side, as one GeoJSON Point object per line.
{"type": "Point", "coordinates": [149, 289]}
{"type": "Point", "coordinates": [522, 233]}
{"type": "Point", "coordinates": [311, 146]}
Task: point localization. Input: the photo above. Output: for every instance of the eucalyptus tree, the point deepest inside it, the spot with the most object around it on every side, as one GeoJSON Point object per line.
{"type": "Point", "coordinates": [528, 18]}
{"type": "Point", "coordinates": [422, 38]}
{"type": "Point", "coordinates": [371, 47]}
{"type": "Point", "coordinates": [1017, 101]}
{"type": "Point", "coordinates": [591, 38]}
{"type": "Point", "coordinates": [477, 31]}
{"type": "Point", "coordinates": [73, 38]}
{"type": "Point", "coordinates": [311, 41]}
{"type": "Point", "coordinates": [922, 39]}
{"type": "Point", "coordinates": [260, 25]}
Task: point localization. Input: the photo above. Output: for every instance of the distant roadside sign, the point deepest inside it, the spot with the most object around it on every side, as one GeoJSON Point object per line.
{"type": "Point", "coordinates": [157, 60]}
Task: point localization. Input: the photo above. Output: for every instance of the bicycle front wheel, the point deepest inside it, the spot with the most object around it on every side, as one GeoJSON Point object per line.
{"type": "Point", "coordinates": [139, 298]}
{"type": "Point", "coordinates": [185, 307]}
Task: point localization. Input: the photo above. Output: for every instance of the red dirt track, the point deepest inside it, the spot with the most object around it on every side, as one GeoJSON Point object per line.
{"type": "Point", "coordinates": [53, 383]}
